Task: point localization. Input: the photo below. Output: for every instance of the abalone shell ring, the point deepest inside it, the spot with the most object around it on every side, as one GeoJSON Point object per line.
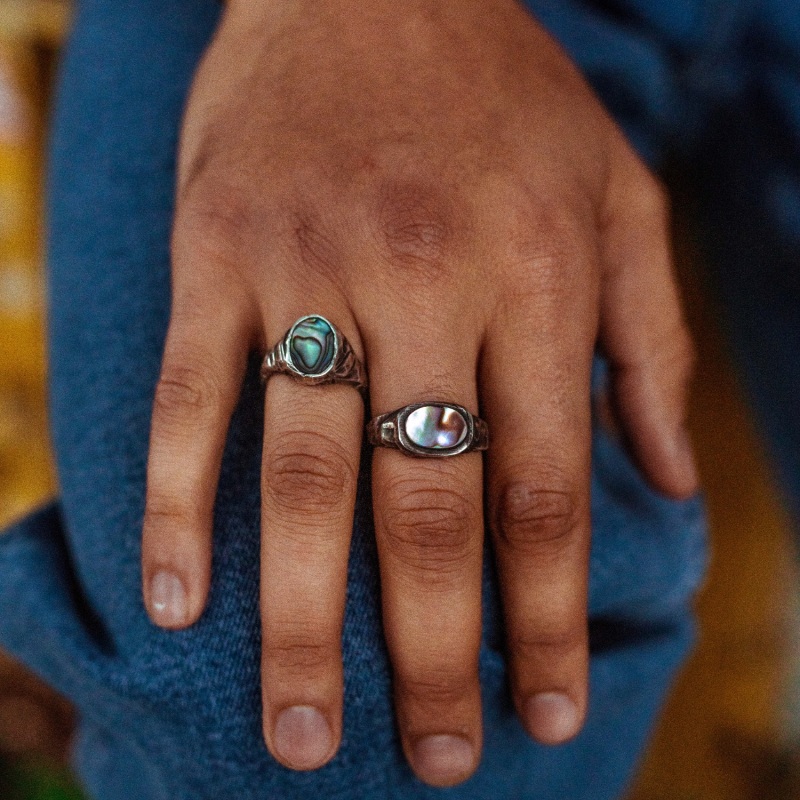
{"type": "Point", "coordinates": [314, 351]}
{"type": "Point", "coordinates": [429, 430]}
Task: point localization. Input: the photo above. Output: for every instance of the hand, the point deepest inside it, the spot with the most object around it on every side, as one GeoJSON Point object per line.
{"type": "Point", "coordinates": [437, 180]}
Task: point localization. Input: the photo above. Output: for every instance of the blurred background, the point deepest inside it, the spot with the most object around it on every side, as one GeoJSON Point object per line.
{"type": "Point", "coordinates": [728, 732]}
{"type": "Point", "coordinates": [35, 724]}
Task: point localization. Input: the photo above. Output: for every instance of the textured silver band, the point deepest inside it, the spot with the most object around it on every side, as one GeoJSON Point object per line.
{"type": "Point", "coordinates": [340, 366]}
{"type": "Point", "coordinates": [412, 428]}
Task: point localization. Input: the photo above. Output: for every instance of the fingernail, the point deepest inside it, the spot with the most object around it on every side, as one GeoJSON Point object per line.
{"type": "Point", "coordinates": [303, 739]}
{"type": "Point", "coordinates": [443, 759]}
{"type": "Point", "coordinates": [168, 602]}
{"type": "Point", "coordinates": [552, 717]}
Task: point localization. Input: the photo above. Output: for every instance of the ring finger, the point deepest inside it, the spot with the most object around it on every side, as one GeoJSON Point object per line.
{"type": "Point", "coordinates": [537, 401]}
{"type": "Point", "coordinates": [429, 529]}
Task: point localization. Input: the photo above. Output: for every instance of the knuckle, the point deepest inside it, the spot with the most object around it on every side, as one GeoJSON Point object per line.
{"type": "Point", "coordinates": [549, 269]}
{"type": "Point", "coordinates": [547, 644]}
{"type": "Point", "coordinates": [545, 265]}
{"type": "Point", "coordinates": [166, 511]}
{"type": "Point", "coordinates": [435, 686]}
{"type": "Point", "coordinates": [415, 227]}
{"type": "Point", "coordinates": [542, 235]}
{"type": "Point", "coordinates": [431, 528]}
{"type": "Point", "coordinates": [296, 651]}
{"type": "Point", "coordinates": [184, 391]}
{"type": "Point", "coordinates": [307, 473]}
{"type": "Point", "coordinates": [217, 221]}
{"type": "Point", "coordinates": [532, 516]}
{"type": "Point", "coordinates": [316, 247]}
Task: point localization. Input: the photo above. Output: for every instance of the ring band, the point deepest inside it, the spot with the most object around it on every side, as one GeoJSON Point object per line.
{"type": "Point", "coordinates": [429, 430]}
{"type": "Point", "coordinates": [315, 352]}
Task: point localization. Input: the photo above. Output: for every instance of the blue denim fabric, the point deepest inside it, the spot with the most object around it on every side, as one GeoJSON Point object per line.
{"type": "Point", "coordinates": [747, 185]}
{"type": "Point", "coordinates": [177, 715]}
{"type": "Point", "coordinates": [715, 86]}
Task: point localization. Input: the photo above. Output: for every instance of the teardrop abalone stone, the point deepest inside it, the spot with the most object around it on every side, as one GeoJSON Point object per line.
{"type": "Point", "coordinates": [312, 345]}
{"type": "Point", "coordinates": [436, 427]}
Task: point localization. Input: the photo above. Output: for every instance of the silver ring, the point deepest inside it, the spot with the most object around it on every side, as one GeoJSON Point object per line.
{"type": "Point", "coordinates": [429, 430]}
{"type": "Point", "coordinates": [314, 351]}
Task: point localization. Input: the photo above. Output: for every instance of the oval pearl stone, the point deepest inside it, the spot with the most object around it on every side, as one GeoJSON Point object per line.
{"type": "Point", "coordinates": [312, 346]}
{"type": "Point", "coordinates": [436, 427]}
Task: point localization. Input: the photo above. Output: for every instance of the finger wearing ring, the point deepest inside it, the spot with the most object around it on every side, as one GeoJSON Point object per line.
{"type": "Point", "coordinates": [314, 351]}
{"type": "Point", "coordinates": [429, 430]}
{"type": "Point", "coordinates": [310, 465]}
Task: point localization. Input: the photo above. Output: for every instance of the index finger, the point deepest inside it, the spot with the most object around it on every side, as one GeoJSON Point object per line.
{"type": "Point", "coordinates": [200, 380]}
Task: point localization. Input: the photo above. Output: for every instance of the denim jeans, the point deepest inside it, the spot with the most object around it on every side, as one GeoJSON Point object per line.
{"type": "Point", "coordinates": [177, 715]}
